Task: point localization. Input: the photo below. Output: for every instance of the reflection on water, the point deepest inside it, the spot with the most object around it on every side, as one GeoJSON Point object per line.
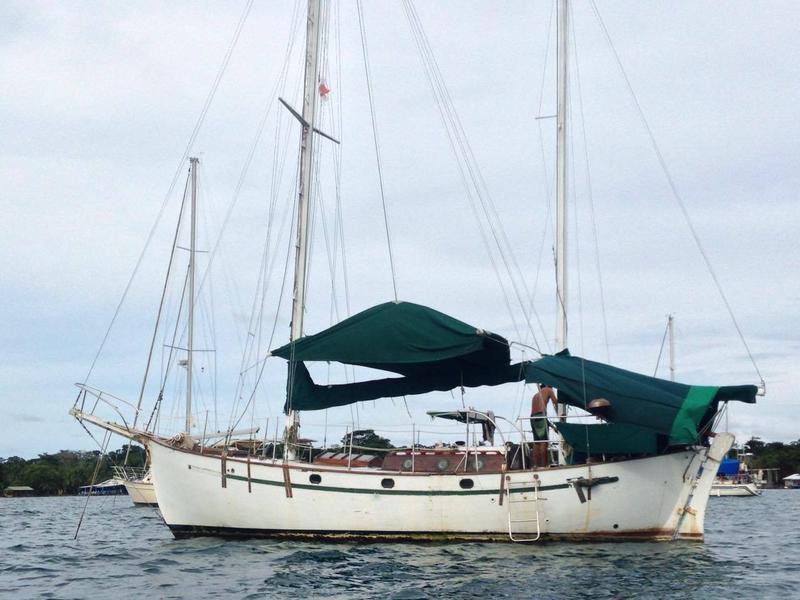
{"type": "Point", "coordinates": [751, 550]}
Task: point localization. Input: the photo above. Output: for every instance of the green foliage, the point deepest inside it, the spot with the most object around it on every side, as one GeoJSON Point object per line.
{"type": "Point", "coordinates": [775, 455]}
{"type": "Point", "coordinates": [65, 471]}
{"type": "Point", "coordinates": [367, 438]}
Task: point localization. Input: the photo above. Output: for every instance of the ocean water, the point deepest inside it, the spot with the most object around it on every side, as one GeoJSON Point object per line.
{"type": "Point", "coordinates": [752, 549]}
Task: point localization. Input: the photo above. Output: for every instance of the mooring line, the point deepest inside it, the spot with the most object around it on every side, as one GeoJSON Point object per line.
{"type": "Point", "coordinates": [106, 438]}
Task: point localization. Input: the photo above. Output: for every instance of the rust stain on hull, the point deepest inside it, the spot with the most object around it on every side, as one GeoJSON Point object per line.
{"type": "Point", "coordinates": [640, 535]}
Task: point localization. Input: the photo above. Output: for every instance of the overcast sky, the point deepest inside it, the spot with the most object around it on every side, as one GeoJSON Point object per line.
{"type": "Point", "coordinates": [101, 98]}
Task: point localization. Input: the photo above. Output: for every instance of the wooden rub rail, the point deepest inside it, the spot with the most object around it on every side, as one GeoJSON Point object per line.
{"type": "Point", "coordinates": [224, 470]}
{"type": "Point", "coordinates": [287, 481]}
{"type": "Point", "coordinates": [249, 482]}
{"type": "Point", "coordinates": [502, 484]}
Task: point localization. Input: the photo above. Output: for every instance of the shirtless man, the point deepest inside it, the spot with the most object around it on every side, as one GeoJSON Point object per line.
{"type": "Point", "coordinates": [539, 423]}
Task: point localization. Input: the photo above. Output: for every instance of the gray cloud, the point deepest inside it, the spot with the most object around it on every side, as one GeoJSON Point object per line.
{"type": "Point", "coordinates": [103, 97]}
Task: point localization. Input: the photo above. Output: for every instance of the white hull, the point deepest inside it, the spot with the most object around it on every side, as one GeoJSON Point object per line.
{"type": "Point", "coordinates": [141, 492]}
{"type": "Point", "coordinates": [659, 498]}
{"type": "Point", "coordinates": [735, 489]}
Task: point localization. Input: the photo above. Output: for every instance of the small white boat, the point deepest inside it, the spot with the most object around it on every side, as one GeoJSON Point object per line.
{"type": "Point", "coordinates": [730, 487]}
{"type": "Point", "coordinates": [109, 487]}
{"type": "Point", "coordinates": [734, 479]}
{"type": "Point", "coordinates": [142, 491]}
{"type": "Point", "coordinates": [139, 485]}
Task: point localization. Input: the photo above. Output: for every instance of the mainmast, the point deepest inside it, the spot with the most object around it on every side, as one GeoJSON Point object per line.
{"type": "Point", "coordinates": [304, 194]}
{"type": "Point", "coordinates": [190, 329]}
{"type": "Point", "coordinates": [561, 188]}
{"type": "Point", "coordinates": [561, 178]}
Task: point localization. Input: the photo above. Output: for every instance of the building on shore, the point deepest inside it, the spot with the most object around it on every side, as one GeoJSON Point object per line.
{"type": "Point", "coordinates": [15, 491]}
{"type": "Point", "coordinates": [792, 482]}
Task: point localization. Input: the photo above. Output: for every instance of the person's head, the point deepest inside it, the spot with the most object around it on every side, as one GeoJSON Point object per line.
{"type": "Point", "coordinates": [544, 386]}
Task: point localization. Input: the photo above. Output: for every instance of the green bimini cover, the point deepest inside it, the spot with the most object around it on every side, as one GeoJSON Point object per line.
{"type": "Point", "coordinates": [307, 395]}
{"type": "Point", "coordinates": [431, 350]}
{"type": "Point", "coordinates": [674, 409]}
{"type": "Point", "coordinates": [609, 438]}
{"type": "Point", "coordinates": [403, 338]}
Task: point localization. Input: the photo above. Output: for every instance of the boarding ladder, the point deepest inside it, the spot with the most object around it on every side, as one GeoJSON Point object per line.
{"type": "Point", "coordinates": [523, 509]}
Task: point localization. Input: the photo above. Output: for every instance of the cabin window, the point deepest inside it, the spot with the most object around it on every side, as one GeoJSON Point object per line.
{"type": "Point", "coordinates": [387, 483]}
{"type": "Point", "coordinates": [407, 464]}
{"type": "Point", "coordinates": [442, 464]}
{"type": "Point", "coordinates": [314, 478]}
{"type": "Point", "coordinates": [466, 484]}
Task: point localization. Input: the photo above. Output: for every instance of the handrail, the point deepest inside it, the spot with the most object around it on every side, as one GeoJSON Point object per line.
{"type": "Point", "coordinates": [98, 395]}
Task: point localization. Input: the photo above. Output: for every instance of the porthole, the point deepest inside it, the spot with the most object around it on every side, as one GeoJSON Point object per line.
{"type": "Point", "coordinates": [387, 483]}
{"type": "Point", "coordinates": [407, 464]}
{"type": "Point", "coordinates": [442, 464]}
{"type": "Point", "coordinates": [616, 525]}
{"type": "Point", "coordinates": [479, 464]}
{"type": "Point", "coordinates": [466, 484]}
{"type": "Point", "coordinates": [314, 478]}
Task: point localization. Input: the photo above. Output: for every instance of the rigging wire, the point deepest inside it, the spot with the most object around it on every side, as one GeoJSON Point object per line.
{"type": "Point", "coordinates": [573, 187]}
{"type": "Point", "coordinates": [661, 348]}
{"type": "Point", "coordinates": [589, 195]}
{"type": "Point", "coordinates": [212, 92]}
{"type": "Point", "coordinates": [475, 186]}
{"type": "Point", "coordinates": [337, 154]}
{"type": "Point", "coordinates": [368, 76]}
{"type": "Point", "coordinates": [172, 345]}
{"type": "Point", "coordinates": [488, 205]}
{"type": "Point", "coordinates": [333, 249]}
{"type": "Point", "coordinates": [277, 170]}
{"type": "Point", "coordinates": [546, 180]}
{"type": "Point", "coordinates": [576, 227]}
{"type": "Point", "coordinates": [100, 457]}
{"type": "Point", "coordinates": [160, 309]}
{"type": "Point", "coordinates": [277, 315]}
{"type": "Point", "coordinates": [674, 189]}
{"type": "Point", "coordinates": [248, 161]}
{"type": "Point", "coordinates": [467, 189]}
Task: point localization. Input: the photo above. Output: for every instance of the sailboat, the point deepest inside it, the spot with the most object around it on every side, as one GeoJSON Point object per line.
{"type": "Point", "coordinates": [644, 471]}
{"type": "Point", "coordinates": [138, 483]}
{"type": "Point", "coordinates": [734, 479]}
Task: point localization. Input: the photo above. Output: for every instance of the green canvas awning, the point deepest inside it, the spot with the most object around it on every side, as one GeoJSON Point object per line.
{"type": "Point", "coordinates": [307, 395]}
{"type": "Point", "coordinates": [666, 407]}
{"type": "Point", "coordinates": [403, 338]}
{"type": "Point", "coordinates": [431, 350]}
{"type": "Point", "coordinates": [609, 438]}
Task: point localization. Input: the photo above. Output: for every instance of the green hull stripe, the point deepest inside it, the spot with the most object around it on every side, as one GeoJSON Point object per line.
{"type": "Point", "coordinates": [695, 405]}
{"type": "Point", "coordinates": [388, 492]}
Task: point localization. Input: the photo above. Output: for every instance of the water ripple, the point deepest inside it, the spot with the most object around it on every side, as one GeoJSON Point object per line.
{"type": "Point", "coordinates": [749, 552]}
